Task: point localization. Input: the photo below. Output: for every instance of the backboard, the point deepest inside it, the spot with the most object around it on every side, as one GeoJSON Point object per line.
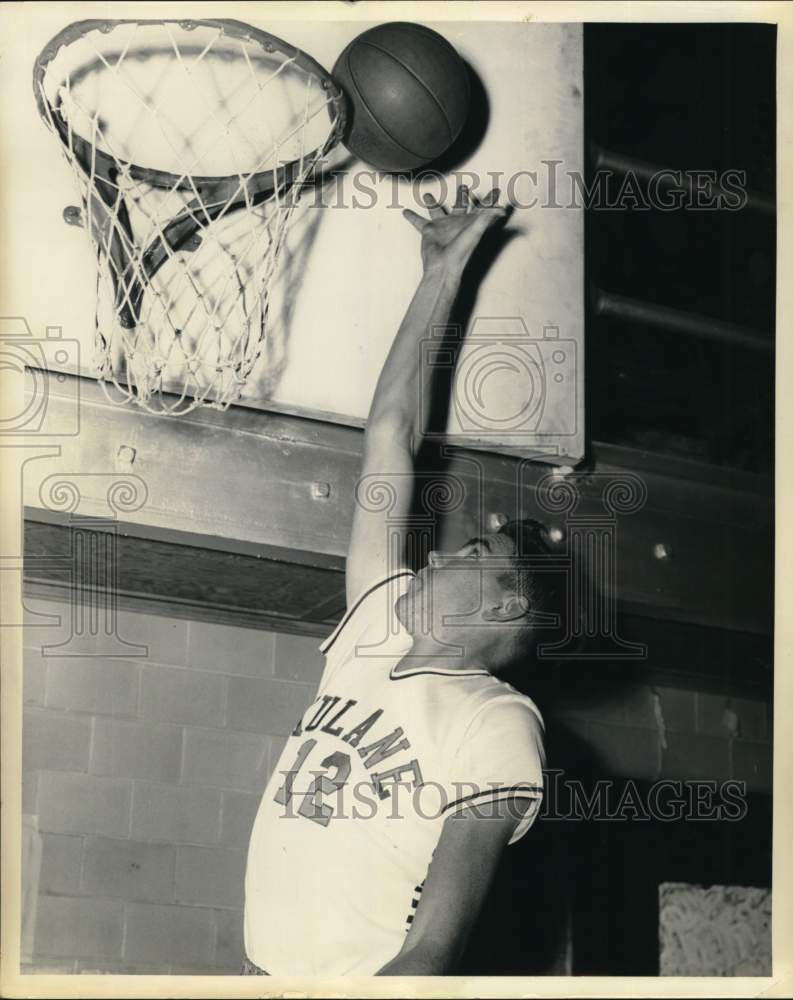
{"type": "Point", "coordinates": [351, 262]}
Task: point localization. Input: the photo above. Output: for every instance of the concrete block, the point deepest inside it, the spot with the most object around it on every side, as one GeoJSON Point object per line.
{"type": "Point", "coordinates": [753, 763]}
{"type": "Point", "coordinates": [696, 756]}
{"type": "Point", "coordinates": [49, 967]}
{"type": "Point", "coordinates": [83, 803]}
{"type": "Point", "coordinates": [625, 751]}
{"type": "Point", "coordinates": [752, 719]}
{"type": "Point", "coordinates": [91, 967]}
{"type": "Point", "coordinates": [128, 868]}
{"type": "Point", "coordinates": [34, 674]}
{"type": "Point", "coordinates": [166, 638]}
{"type": "Point", "coordinates": [136, 750]}
{"type": "Point", "coordinates": [228, 649]}
{"type": "Point", "coordinates": [53, 741]}
{"type": "Point", "coordinates": [176, 814]}
{"type": "Point", "coordinates": [277, 747]}
{"type": "Point", "coordinates": [94, 685]}
{"type": "Point", "coordinates": [226, 760]}
{"type": "Point", "coordinates": [266, 706]}
{"type": "Point", "coordinates": [181, 695]}
{"type": "Point", "coordinates": [297, 658]}
{"type": "Point", "coordinates": [239, 813]}
{"type": "Point", "coordinates": [742, 718]}
{"type": "Point", "coordinates": [79, 928]}
{"type": "Point", "coordinates": [230, 946]}
{"type": "Point", "coordinates": [679, 709]}
{"type": "Point", "coordinates": [60, 864]}
{"type": "Point", "coordinates": [711, 717]}
{"type": "Point", "coordinates": [45, 619]}
{"type": "Point", "coordinates": [30, 787]}
{"type": "Point", "coordinates": [78, 637]}
{"type": "Point", "coordinates": [615, 702]}
{"type": "Point", "coordinates": [173, 935]}
{"type": "Point", "coordinates": [638, 706]}
{"type": "Point", "coordinates": [210, 876]}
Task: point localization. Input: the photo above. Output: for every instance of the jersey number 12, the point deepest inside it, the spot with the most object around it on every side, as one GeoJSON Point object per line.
{"type": "Point", "coordinates": [312, 807]}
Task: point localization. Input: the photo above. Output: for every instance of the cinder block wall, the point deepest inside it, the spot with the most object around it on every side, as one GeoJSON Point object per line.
{"type": "Point", "coordinates": [655, 732]}
{"type": "Point", "coordinates": [144, 774]}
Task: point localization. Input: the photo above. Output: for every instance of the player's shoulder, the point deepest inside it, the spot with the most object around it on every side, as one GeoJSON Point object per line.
{"type": "Point", "coordinates": [373, 608]}
{"type": "Point", "coordinates": [498, 698]}
{"type": "Point", "coordinates": [492, 705]}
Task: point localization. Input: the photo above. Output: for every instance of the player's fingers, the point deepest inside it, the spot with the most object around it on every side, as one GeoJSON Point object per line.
{"type": "Point", "coordinates": [491, 198]}
{"type": "Point", "coordinates": [434, 207]}
{"type": "Point", "coordinates": [462, 202]}
{"type": "Point", "coordinates": [489, 218]}
{"type": "Point", "coordinates": [415, 220]}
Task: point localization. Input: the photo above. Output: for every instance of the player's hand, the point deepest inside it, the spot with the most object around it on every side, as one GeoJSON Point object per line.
{"type": "Point", "coordinates": [450, 235]}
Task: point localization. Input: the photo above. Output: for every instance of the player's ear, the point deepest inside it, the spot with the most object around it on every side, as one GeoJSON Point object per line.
{"type": "Point", "coordinates": [511, 607]}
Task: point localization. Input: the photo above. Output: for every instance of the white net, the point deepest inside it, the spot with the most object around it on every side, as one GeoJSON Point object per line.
{"type": "Point", "coordinates": [191, 142]}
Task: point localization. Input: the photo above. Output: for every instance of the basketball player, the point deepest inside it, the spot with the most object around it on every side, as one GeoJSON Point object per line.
{"type": "Point", "coordinates": [379, 833]}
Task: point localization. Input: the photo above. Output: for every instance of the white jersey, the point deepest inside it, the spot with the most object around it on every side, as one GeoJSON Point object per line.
{"type": "Point", "coordinates": [352, 814]}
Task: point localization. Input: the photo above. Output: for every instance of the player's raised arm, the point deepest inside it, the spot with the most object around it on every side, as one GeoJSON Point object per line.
{"type": "Point", "coordinates": [393, 434]}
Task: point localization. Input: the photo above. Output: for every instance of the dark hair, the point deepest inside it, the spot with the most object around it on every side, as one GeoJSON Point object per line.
{"type": "Point", "coordinates": [541, 588]}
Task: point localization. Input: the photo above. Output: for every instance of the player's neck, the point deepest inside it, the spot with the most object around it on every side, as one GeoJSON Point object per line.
{"type": "Point", "coordinates": [428, 651]}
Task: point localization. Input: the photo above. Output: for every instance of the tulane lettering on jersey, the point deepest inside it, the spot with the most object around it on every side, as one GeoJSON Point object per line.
{"type": "Point", "coordinates": [364, 737]}
{"type": "Point", "coordinates": [369, 774]}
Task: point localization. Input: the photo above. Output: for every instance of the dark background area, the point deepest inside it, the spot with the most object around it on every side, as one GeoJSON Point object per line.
{"type": "Point", "coordinates": [586, 892]}
{"type": "Point", "coordinates": [582, 897]}
{"type": "Point", "coordinates": [689, 97]}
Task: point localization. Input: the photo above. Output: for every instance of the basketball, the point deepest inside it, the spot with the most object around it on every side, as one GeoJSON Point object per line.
{"type": "Point", "coordinates": [408, 92]}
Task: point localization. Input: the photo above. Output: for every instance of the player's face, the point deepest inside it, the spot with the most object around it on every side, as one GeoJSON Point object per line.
{"type": "Point", "coordinates": [448, 597]}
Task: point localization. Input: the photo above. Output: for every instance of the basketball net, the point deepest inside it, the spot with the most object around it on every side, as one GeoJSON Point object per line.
{"type": "Point", "coordinates": [190, 141]}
